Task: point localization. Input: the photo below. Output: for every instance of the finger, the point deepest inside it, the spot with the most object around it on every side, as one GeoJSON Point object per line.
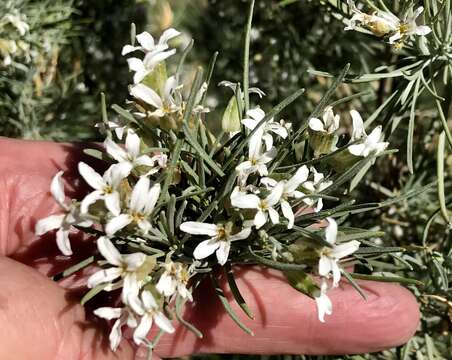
{"type": "Point", "coordinates": [26, 170]}
{"type": "Point", "coordinates": [39, 320]}
{"type": "Point", "coordinates": [286, 321]}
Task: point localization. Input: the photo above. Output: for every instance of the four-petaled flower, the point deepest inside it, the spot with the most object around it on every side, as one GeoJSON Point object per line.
{"type": "Point", "coordinates": [131, 156]}
{"type": "Point", "coordinates": [62, 222]}
{"type": "Point", "coordinates": [125, 267]}
{"type": "Point", "coordinates": [149, 311]}
{"type": "Point", "coordinates": [330, 256]}
{"type": "Point", "coordinates": [256, 115]}
{"type": "Point", "coordinates": [317, 185]}
{"type": "Point", "coordinates": [106, 187]}
{"type": "Point", "coordinates": [329, 123]}
{"type": "Point", "coordinates": [408, 27]}
{"type": "Point", "coordinates": [370, 144]}
{"type": "Point", "coordinates": [168, 103]}
{"type": "Point", "coordinates": [174, 279]}
{"type": "Point", "coordinates": [140, 206]}
{"type": "Point", "coordinates": [257, 160]}
{"type": "Point", "coordinates": [290, 187]}
{"type": "Point", "coordinates": [220, 241]}
{"type": "Point", "coordinates": [264, 207]}
{"type": "Point", "coordinates": [154, 53]}
{"type": "Point", "coordinates": [123, 316]}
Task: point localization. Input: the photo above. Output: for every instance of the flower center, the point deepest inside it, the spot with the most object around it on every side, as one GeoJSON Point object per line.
{"type": "Point", "coordinates": [108, 189]}
{"type": "Point", "coordinates": [263, 205]}
{"type": "Point", "coordinates": [137, 217]}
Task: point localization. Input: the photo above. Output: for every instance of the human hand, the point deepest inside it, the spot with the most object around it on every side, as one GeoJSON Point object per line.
{"type": "Point", "coordinates": [41, 319]}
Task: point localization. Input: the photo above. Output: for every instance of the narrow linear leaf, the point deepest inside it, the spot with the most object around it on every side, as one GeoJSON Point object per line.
{"type": "Point", "coordinates": [236, 292]}
{"type": "Point", "coordinates": [224, 301]}
{"type": "Point", "coordinates": [180, 302]}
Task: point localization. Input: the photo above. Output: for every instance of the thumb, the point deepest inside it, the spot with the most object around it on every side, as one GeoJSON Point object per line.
{"type": "Point", "coordinates": [39, 320]}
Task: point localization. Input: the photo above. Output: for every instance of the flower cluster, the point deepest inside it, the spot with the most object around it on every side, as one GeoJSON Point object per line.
{"type": "Point", "coordinates": [175, 201]}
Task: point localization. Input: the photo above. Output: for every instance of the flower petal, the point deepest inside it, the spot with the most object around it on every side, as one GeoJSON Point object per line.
{"type": "Point", "coordinates": [108, 313]}
{"type": "Point", "coordinates": [316, 124]}
{"type": "Point", "coordinates": [63, 243]}
{"type": "Point", "coordinates": [342, 250]}
{"type": "Point", "coordinates": [167, 35]}
{"type": "Point", "coordinates": [49, 223]}
{"type": "Point", "coordinates": [112, 203]}
{"type": "Point", "coordinates": [103, 276]}
{"type": "Point", "coordinates": [117, 223]}
{"type": "Point", "coordinates": [358, 125]}
{"type": "Point", "coordinates": [139, 195]}
{"type": "Point", "coordinates": [57, 189]}
{"type": "Point", "coordinates": [109, 251]}
{"type": "Point", "coordinates": [288, 213]}
{"type": "Point", "coordinates": [245, 201]}
{"type": "Point", "coordinates": [146, 40]}
{"type": "Point", "coordinates": [205, 249]}
{"type": "Point", "coordinates": [163, 323]}
{"type": "Point", "coordinates": [142, 330]}
{"type": "Point", "coordinates": [115, 151]}
{"type": "Point", "coordinates": [243, 234]}
{"type": "Point", "coordinates": [152, 198]}
{"type": "Point", "coordinates": [146, 94]}
{"type": "Point", "coordinates": [91, 176]}
{"type": "Point", "coordinates": [331, 231]}
{"type": "Point", "coordinates": [134, 261]}
{"type": "Point", "coordinates": [90, 199]}
{"type": "Point", "coordinates": [223, 252]}
{"type": "Point", "coordinates": [260, 219]}
{"type": "Point", "coordinates": [199, 228]}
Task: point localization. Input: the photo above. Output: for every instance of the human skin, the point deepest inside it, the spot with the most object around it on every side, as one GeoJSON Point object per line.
{"type": "Point", "coordinates": [41, 318]}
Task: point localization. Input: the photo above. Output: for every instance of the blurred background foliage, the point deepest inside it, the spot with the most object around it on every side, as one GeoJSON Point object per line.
{"type": "Point", "coordinates": [51, 77]}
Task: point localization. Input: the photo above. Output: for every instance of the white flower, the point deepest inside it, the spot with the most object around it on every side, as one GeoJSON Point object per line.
{"type": "Point", "coordinates": [220, 241]}
{"type": "Point", "coordinates": [317, 185]}
{"type": "Point", "coordinates": [131, 156]}
{"type": "Point", "coordinates": [174, 280]}
{"type": "Point", "coordinates": [167, 104]}
{"type": "Point", "coordinates": [62, 222]}
{"type": "Point", "coordinates": [154, 53]}
{"type": "Point", "coordinates": [408, 27]}
{"type": "Point", "coordinates": [148, 44]}
{"type": "Point", "coordinates": [149, 311]}
{"type": "Point", "coordinates": [106, 187]}
{"type": "Point", "coordinates": [264, 207]}
{"type": "Point", "coordinates": [124, 317]}
{"type": "Point", "coordinates": [289, 191]}
{"type": "Point", "coordinates": [330, 256]}
{"type": "Point", "coordinates": [324, 304]}
{"type": "Point", "coordinates": [257, 160]}
{"type": "Point", "coordinates": [329, 123]}
{"type": "Point", "coordinates": [125, 267]}
{"type": "Point", "coordinates": [381, 23]}
{"type": "Point", "coordinates": [140, 206]}
{"type": "Point", "coordinates": [255, 117]}
{"type": "Point", "coordinates": [15, 20]}
{"type": "Point", "coordinates": [371, 143]}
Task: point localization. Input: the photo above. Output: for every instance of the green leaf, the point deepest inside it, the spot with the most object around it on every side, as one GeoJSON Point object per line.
{"type": "Point", "coordinates": [180, 302]}
{"type": "Point", "coordinates": [236, 292]}
{"type": "Point", "coordinates": [440, 176]}
{"type": "Point", "coordinates": [224, 301]}
{"type": "Point", "coordinates": [383, 278]}
{"type": "Point", "coordinates": [93, 292]}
